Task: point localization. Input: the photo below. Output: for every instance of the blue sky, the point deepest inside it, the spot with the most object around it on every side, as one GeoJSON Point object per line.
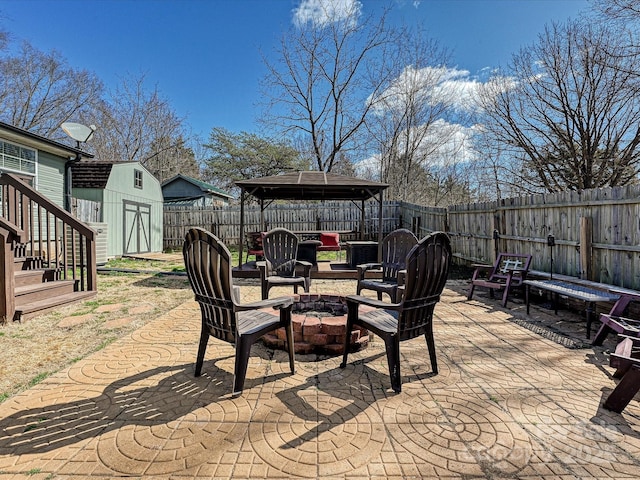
{"type": "Point", "coordinates": [205, 55]}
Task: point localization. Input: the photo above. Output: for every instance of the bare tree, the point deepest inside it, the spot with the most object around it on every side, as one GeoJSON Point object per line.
{"type": "Point", "coordinates": [136, 124]}
{"type": "Point", "coordinates": [625, 10]}
{"type": "Point", "coordinates": [568, 117]}
{"type": "Point", "coordinates": [170, 158]}
{"type": "Point", "coordinates": [320, 87]}
{"type": "Point", "coordinates": [416, 143]}
{"type": "Point", "coordinates": [39, 91]}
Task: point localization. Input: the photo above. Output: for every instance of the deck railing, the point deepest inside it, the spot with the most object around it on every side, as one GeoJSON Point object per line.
{"type": "Point", "coordinates": [36, 229]}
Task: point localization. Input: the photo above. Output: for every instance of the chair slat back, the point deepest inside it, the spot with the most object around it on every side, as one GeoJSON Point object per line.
{"type": "Point", "coordinates": [427, 269]}
{"type": "Point", "coordinates": [280, 251]}
{"type": "Point", "coordinates": [510, 261]}
{"type": "Point", "coordinates": [208, 264]}
{"type": "Point", "coordinates": [395, 248]}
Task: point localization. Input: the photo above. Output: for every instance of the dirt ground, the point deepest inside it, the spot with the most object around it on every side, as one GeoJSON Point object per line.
{"type": "Point", "coordinates": [40, 346]}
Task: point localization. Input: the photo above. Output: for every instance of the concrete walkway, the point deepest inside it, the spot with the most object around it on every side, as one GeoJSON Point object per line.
{"type": "Point", "coordinates": [509, 402]}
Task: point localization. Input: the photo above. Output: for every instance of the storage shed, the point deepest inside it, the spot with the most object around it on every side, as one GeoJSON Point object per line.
{"type": "Point", "coordinates": [184, 191]}
{"type": "Point", "coordinates": [130, 202]}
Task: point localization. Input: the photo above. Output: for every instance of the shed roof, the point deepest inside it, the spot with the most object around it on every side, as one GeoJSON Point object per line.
{"type": "Point", "coordinates": [204, 186]}
{"type": "Point", "coordinates": [90, 174]}
{"type": "Point", "coordinates": [311, 186]}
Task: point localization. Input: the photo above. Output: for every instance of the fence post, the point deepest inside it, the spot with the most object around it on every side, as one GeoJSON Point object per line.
{"type": "Point", "coordinates": [586, 241]}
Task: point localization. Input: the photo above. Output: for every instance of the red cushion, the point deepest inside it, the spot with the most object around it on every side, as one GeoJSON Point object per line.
{"type": "Point", "coordinates": [330, 242]}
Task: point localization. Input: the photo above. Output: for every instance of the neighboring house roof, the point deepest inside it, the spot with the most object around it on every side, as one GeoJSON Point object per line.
{"type": "Point", "coordinates": [205, 187]}
{"type": "Point", "coordinates": [12, 133]}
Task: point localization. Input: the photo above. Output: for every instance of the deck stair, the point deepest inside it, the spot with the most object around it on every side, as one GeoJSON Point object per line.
{"type": "Point", "coordinates": [47, 256]}
{"type": "Point", "coordinates": [38, 290]}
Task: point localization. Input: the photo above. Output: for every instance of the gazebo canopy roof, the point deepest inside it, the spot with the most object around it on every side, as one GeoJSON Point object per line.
{"type": "Point", "coordinates": [309, 185]}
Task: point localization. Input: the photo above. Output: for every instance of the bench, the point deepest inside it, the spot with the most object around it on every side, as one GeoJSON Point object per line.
{"type": "Point", "coordinates": [626, 361]}
{"type": "Point", "coordinates": [572, 290]}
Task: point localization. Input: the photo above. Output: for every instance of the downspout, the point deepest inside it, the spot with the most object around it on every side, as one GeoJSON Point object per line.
{"type": "Point", "coordinates": [68, 181]}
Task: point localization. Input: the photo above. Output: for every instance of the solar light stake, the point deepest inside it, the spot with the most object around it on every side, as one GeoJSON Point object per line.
{"type": "Point", "coordinates": [551, 242]}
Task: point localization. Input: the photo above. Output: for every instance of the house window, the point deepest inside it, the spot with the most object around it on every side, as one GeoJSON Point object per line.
{"type": "Point", "coordinates": [137, 178]}
{"type": "Point", "coordinates": [14, 158]}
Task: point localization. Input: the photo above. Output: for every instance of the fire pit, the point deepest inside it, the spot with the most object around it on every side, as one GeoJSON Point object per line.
{"type": "Point", "coordinates": [319, 326]}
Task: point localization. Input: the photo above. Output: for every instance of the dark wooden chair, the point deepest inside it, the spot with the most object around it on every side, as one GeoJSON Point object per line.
{"type": "Point", "coordinates": [427, 268]}
{"type": "Point", "coordinates": [626, 360]}
{"type": "Point", "coordinates": [280, 248]}
{"type": "Point", "coordinates": [617, 319]}
{"type": "Point", "coordinates": [208, 264]}
{"type": "Point", "coordinates": [507, 273]}
{"type": "Point", "coordinates": [395, 248]}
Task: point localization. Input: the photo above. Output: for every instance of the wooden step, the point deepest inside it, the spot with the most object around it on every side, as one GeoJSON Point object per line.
{"type": "Point", "coordinates": [33, 293]}
{"type": "Point", "coordinates": [32, 309]}
{"type": "Point", "coordinates": [33, 277]}
{"type": "Point", "coordinates": [26, 263]}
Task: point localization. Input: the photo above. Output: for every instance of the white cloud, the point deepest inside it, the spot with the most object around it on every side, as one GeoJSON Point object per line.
{"type": "Point", "coordinates": [323, 12]}
{"type": "Point", "coordinates": [432, 85]}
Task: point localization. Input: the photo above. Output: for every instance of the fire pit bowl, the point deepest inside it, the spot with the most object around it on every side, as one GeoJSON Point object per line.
{"type": "Point", "coordinates": [319, 326]}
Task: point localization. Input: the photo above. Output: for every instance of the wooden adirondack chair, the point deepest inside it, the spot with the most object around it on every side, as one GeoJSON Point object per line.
{"type": "Point", "coordinates": [427, 268]}
{"type": "Point", "coordinates": [208, 264]}
{"type": "Point", "coordinates": [508, 272]}
{"type": "Point", "coordinates": [626, 360]}
{"type": "Point", "coordinates": [280, 260]}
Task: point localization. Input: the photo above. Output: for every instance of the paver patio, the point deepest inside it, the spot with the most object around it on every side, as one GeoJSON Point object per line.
{"type": "Point", "coordinates": [508, 403]}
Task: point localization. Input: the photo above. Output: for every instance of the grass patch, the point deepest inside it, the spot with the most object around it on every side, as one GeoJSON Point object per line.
{"type": "Point", "coordinates": [38, 378]}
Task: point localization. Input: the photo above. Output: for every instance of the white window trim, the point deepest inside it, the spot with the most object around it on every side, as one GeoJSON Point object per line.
{"type": "Point", "coordinates": [13, 170]}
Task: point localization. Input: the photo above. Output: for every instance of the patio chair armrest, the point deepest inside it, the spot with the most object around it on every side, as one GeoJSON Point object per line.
{"type": "Point", "coordinates": [276, 303]}
{"type": "Point", "coordinates": [365, 267]}
{"type": "Point", "coordinates": [360, 300]}
{"type": "Point", "coordinates": [306, 266]}
{"type": "Point", "coordinates": [480, 268]}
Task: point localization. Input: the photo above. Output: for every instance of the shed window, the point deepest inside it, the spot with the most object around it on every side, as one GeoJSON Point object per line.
{"type": "Point", "coordinates": [137, 178]}
{"type": "Point", "coordinates": [16, 158]}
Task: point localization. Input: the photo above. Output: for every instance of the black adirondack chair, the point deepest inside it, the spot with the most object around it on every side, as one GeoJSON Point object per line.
{"type": "Point", "coordinates": [208, 264]}
{"type": "Point", "coordinates": [395, 248]}
{"type": "Point", "coordinates": [427, 268]}
{"type": "Point", "coordinates": [280, 248]}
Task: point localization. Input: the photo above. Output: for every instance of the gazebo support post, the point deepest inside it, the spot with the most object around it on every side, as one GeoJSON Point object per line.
{"type": "Point", "coordinates": [263, 227]}
{"type": "Point", "coordinates": [240, 247]}
{"type": "Point", "coordinates": [362, 221]}
{"type": "Point", "coordinates": [380, 225]}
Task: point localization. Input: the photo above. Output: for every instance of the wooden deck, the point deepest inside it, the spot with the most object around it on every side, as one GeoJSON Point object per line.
{"type": "Point", "coordinates": [335, 270]}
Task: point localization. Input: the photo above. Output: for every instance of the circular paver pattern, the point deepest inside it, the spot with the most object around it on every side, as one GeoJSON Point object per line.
{"type": "Point", "coordinates": [577, 435]}
{"type": "Point", "coordinates": [312, 433]}
{"type": "Point", "coordinates": [458, 434]}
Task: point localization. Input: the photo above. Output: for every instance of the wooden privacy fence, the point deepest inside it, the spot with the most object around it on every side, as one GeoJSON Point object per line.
{"type": "Point", "coordinates": [298, 217]}
{"type": "Point", "coordinates": [596, 232]}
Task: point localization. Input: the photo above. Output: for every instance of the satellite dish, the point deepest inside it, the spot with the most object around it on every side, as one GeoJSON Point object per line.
{"type": "Point", "coordinates": [80, 133]}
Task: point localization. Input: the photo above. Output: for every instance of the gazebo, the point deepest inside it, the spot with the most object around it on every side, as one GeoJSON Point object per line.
{"type": "Point", "coordinates": [310, 185]}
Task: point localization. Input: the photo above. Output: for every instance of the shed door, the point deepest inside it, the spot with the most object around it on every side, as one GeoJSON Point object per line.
{"type": "Point", "coordinates": [137, 227]}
